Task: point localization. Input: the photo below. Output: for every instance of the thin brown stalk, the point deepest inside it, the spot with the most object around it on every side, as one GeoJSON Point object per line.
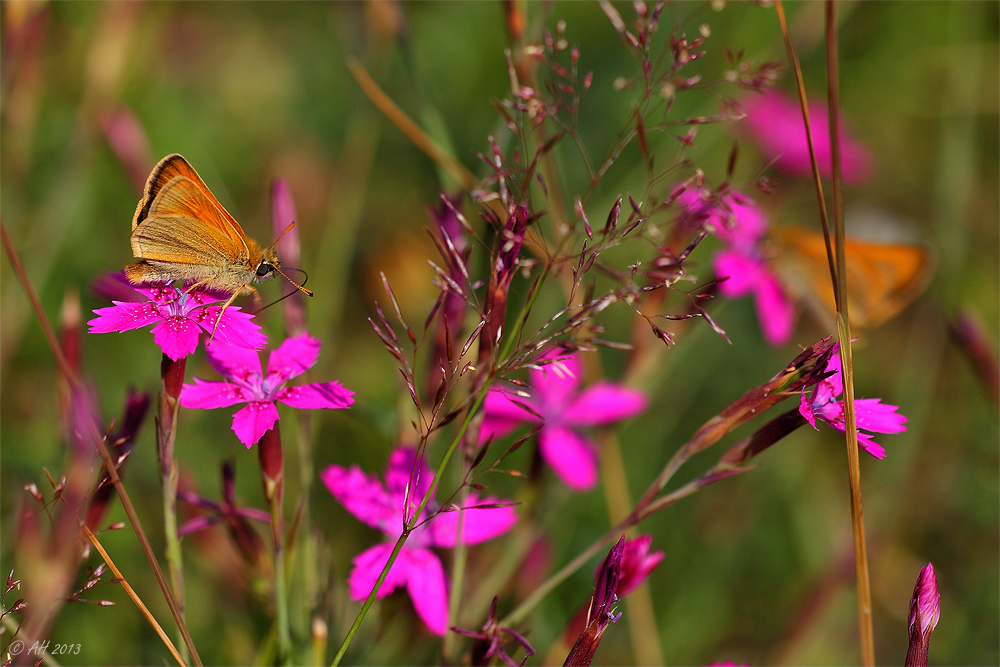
{"type": "Point", "coordinates": [109, 463]}
{"type": "Point", "coordinates": [839, 279]}
{"type": "Point", "coordinates": [846, 356]}
{"type": "Point", "coordinates": [133, 595]}
{"type": "Point", "coordinates": [407, 126]}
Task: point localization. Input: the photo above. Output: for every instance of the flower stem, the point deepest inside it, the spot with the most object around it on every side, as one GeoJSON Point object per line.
{"type": "Point", "coordinates": [271, 457]}
{"type": "Point", "coordinates": [172, 378]}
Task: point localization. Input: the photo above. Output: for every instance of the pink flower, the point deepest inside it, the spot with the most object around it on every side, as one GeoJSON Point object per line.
{"type": "Point", "coordinates": [179, 318]}
{"type": "Point", "coordinates": [562, 412]}
{"type": "Point", "coordinates": [416, 566]}
{"type": "Point", "coordinates": [870, 413]}
{"type": "Point", "coordinates": [775, 123]}
{"type": "Point", "coordinates": [741, 225]}
{"type": "Point", "coordinates": [637, 563]}
{"type": "Point", "coordinates": [249, 384]}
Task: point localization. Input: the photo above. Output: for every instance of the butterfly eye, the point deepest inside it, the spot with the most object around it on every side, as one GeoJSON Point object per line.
{"type": "Point", "coordinates": [264, 269]}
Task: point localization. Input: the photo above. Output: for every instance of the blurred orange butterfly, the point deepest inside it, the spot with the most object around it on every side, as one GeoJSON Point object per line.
{"type": "Point", "coordinates": [882, 278]}
{"type": "Point", "coordinates": [180, 231]}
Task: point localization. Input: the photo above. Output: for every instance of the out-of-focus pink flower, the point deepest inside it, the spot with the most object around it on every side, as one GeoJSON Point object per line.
{"type": "Point", "coordinates": [925, 611]}
{"type": "Point", "coordinates": [179, 318]}
{"type": "Point", "coordinates": [249, 384]}
{"type": "Point", "coordinates": [383, 507]}
{"type": "Point", "coordinates": [637, 563]}
{"type": "Point", "coordinates": [562, 411]}
{"type": "Point", "coordinates": [775, 122]}
{"type": "Point", "coordinates": [870, 413]}
{"type": "Point", "coordinates": [741, 225]}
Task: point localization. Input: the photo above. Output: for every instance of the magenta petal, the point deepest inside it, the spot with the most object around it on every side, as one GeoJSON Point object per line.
{"type": "Point", "coordinates": [210, 395]}
{"type": "Point", "coordinates": [502, 414]}
{"type": "Point", "coordinates": [873, 415]}
{"type": "Point", "coordinates": [553, 384]}
{"type": "Point", "coordinates": [426, 585]}
{"type": "Point", "coordinates": [293, 357]}
{"type": "Point", "coordinates": [368, 566]}
{"type": "Point", "coordinates": [866, 443]}
{"type": "Point", "coordinates": [478, 525]}
{"type": "Point", "coordinates": [320, 395]}
{"type": "Point", "coordinates": [176, 336]}
{"type": "Point", "coordinates": [775, 311]}
{"type": "Point", "coordinates": [233, 361]}
{"type": "Point", "coordinates": [571, 456]}
{"type": "Point", "coordinates": [806, 410]}
{"type": "Point", "coordinates": [399, 474]}
{"type": "Point", "coordinates": [124, 316]}
{"type": "Point", "coordinates": [253, 421]}
{"type": "Point", "coordinates": [604, 403]}
{"type": "Point", "coordinates": [637, 563]}
{"type": "Point", "coordinates": [236, 328]}
{"type": "Point", "coordinates": [362, 496]}
{"type": "Point", "coordinates": [742, 272]}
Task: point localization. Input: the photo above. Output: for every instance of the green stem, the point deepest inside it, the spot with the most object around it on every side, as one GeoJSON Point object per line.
{"type": "Point", "coordinates": [171, 381]}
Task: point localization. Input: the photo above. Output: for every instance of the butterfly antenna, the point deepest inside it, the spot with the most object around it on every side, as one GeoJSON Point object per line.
{"type": "Point", "coordinates": [299, 287]}
{"type": "Point", "coordinates": [295, 284]}
{"type": "Point", "coordinates": [287, 229]}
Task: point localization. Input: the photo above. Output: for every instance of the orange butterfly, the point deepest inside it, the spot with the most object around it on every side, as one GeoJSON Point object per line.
{"type": "Point", "coordinates": [882, 278]}
{"type": "Point", "coordinates": [180, 231]}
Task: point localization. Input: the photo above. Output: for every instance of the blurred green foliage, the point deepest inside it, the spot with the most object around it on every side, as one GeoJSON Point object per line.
{"type": "Point", "coordinates": [758, 569]}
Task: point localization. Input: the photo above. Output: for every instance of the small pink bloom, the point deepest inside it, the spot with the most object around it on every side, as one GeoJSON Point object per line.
{"type": "Point", "coordinates": [417, 567]}
{"type": "Point", "coordinates": [741, 225]}
{"type": "Point", "coordinates": [637, 563]}
{"type": "Point", "coordinates": [179, 318]}
{"type": "Point", "coordinates": [775, 123]}
{"type": "Point", "coordinates": [562, 412]}
{"type": "Point", "coordinates": [870, 413]}
{"type": "Point", "coordinates": [249, 384]}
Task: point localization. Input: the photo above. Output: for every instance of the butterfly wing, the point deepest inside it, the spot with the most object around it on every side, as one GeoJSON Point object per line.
{"type": "Point", "coordinates": [174, 188]}
{"type": "Point", "coordinates": [882, 278]}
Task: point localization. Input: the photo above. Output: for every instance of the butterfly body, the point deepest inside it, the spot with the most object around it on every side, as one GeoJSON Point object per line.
{"type": "Point", "coordinates": [180, 232]}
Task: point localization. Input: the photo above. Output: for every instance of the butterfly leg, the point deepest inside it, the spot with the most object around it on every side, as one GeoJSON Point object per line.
{"type": "Point", "coordinates": [229, 303]}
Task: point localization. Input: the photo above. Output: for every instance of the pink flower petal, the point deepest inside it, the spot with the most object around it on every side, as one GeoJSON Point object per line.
{"type": "Point", "coordinates": [363, 496]}
{"type": "Point", "coordinates": [806, 410]}
{"type": "Point", "coordinates": [637, 563]}
{"type": "Point", "coordinates": [292, 358]}
{"type": "Point", "coordinates": [743, 272]}
{"type": "Point", "coordinates": [554, 383]}
{"type": "Point", "coordinates": [235, 328]}
{"type": "Point", "coordinates": [775, 122]}
{"type": "Point", "coordinates": [775, 311]}
{"type": "Point", "coordinates": [399, 475]}
{"type": "Point", "coordinates": [124, 316]}
{"type": "Point", "coordinates": [478, 525]}
{"type": "Point", "coordinates": [604, 403]}
{"type": "Point", "coordinates": [176, 336]}
{"type": "Point", "coordinates": [368, 566]}
{"type": "Point", "coordinates": [502, 414]}
{"type": "Point", "coordinates": [866, 443]}
{"type": "Point", "coordinates": [873, 415]}
{"type": "Point", "coordinates": [232, 361]}
{"type": "Point", "coordinates": [319, 395]}
{"type": "Point", "coordinates": [210, 395]}
{"type": "Point", "coordinates": [426, 586]}
{"type": "Point", "coordinates": [573, 458]}
{"type": "Point", "coordinates": [254, 420]}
